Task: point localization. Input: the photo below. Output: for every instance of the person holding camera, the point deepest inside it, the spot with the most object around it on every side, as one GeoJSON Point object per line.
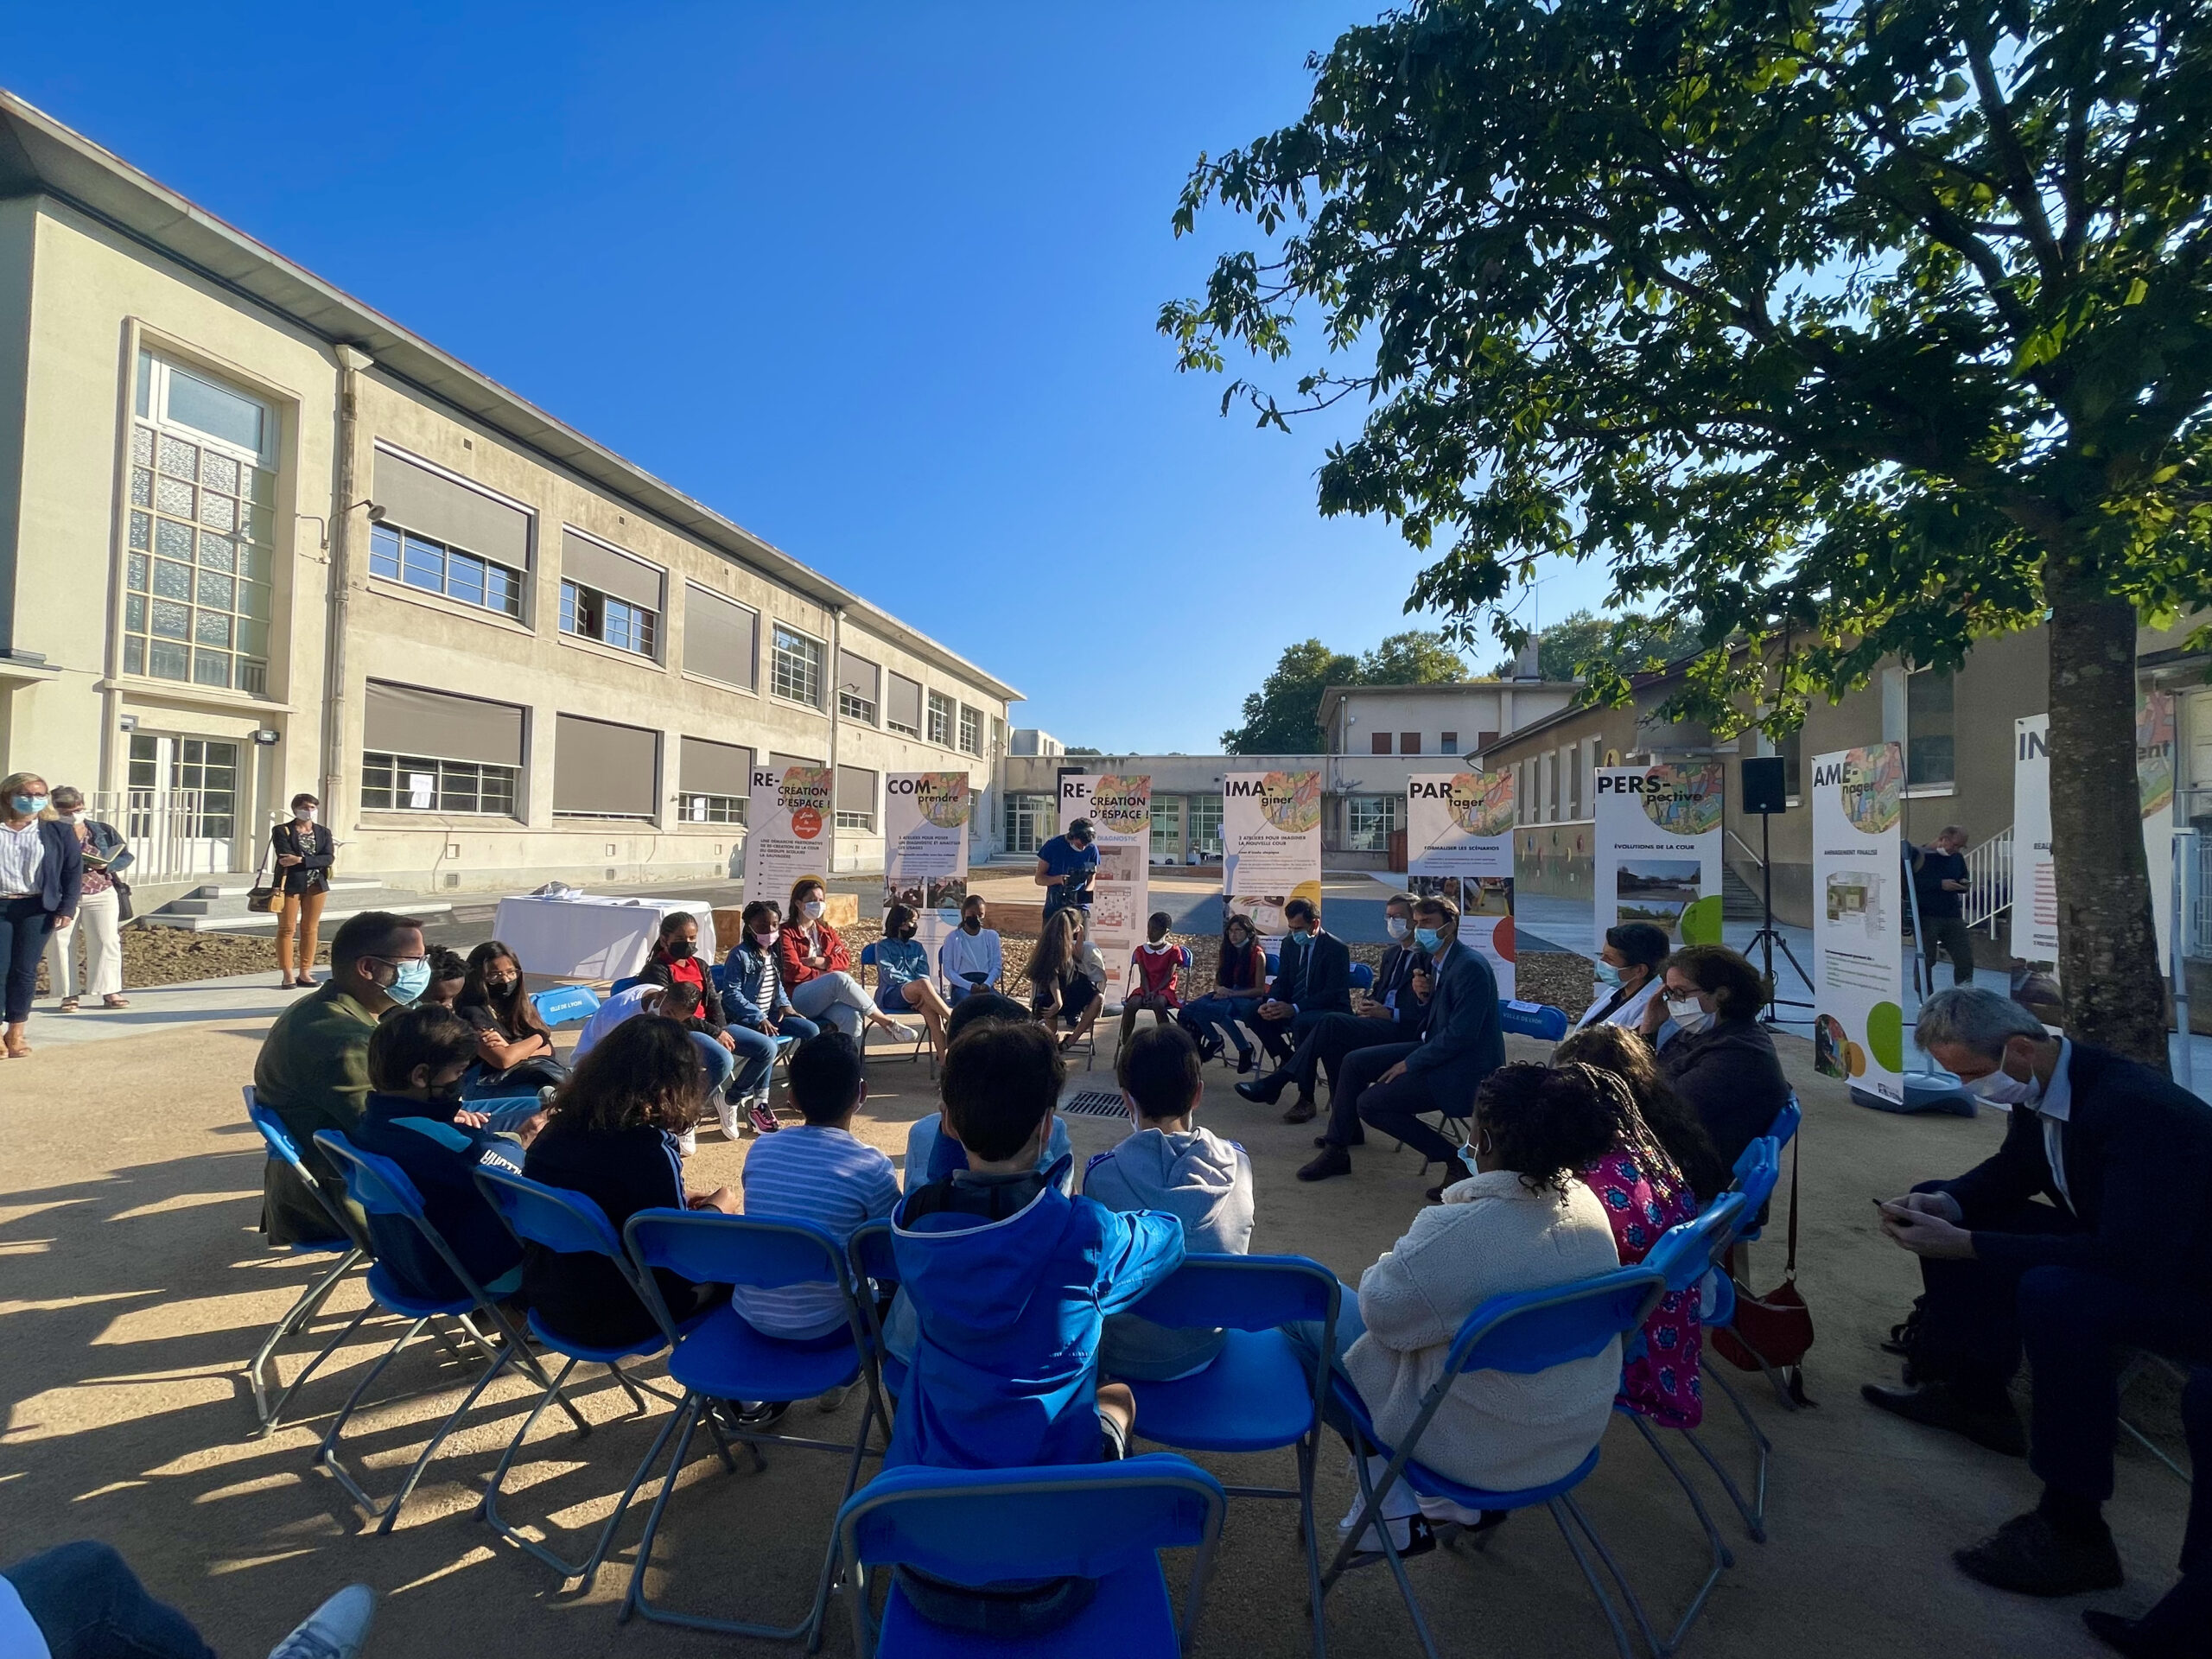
{"type": "Point", "coordinates": [1065, 865]}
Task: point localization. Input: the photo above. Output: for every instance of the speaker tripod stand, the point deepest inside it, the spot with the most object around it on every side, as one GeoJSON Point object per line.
{"type": "Point", "coordinates": [1768, 940]}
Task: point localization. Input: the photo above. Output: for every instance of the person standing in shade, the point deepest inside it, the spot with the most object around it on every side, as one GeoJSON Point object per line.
{"type": "Point", "coordinates": [41, 881]}
{"type": "Point", "coordinates": [98, 912]}
{"type": "Point", "coordinates": [1939, 882]}
{"type": "Point", "coordinates": [303, 852]}
{"type": "Point", "coordinates": [1065, 865]}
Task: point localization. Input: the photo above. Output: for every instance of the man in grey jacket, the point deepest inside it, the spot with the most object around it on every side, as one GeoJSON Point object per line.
{"type": "Point", "coordinates": [1167, 1165]}
{"type": "Point", "coordinates": [1461, 1043]}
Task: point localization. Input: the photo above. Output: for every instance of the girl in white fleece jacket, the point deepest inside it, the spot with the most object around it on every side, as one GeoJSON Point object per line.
{"type": "Point", "coordinates": [1523, 1222]}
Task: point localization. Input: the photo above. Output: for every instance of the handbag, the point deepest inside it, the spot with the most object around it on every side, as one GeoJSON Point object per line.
{"type": "Point", "coordinates": [123, 910]}
{"type": "Point", "coordinates": [262, 896]}
{"type": "Point", "coordinates": [1773, 1331]}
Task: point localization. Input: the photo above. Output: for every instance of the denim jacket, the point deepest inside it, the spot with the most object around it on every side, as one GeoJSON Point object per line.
{"type": "Point", "coordinates": [752, 988]}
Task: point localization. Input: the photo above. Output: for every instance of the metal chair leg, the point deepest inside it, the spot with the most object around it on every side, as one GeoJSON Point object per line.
{"type": "Point", "coordinates": [303, 1309]}
{"type": "Point", "coordinates": [1560, 1508]}
{"type": "Point", "coordinates": [1722, 1558]}
{"type": "Point", "coordinates": [407, 1488]}
{"type": "Point", "coordinates": [1370, 1513]}
{"type": "Point", "coordinates": [269, 1423]}
{"type": "Point", "coordinates": [1754, 1513]}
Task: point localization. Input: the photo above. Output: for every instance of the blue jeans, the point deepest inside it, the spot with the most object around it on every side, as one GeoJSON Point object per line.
{"type": "Point", "coordinates": [756, 1053]}
{"type": "Point", "coordinates": [89, 1605]}
{"type": "Point", "coordinates": [1220, 1013]}
{"type": "Point", "coordinates": [721, 1062]}
{"type": "Point", "coordinates": [1305, 1338]}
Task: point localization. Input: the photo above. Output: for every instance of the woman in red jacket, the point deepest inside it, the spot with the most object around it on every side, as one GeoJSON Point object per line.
{"type": "Point", "coordinates": [817, 968]}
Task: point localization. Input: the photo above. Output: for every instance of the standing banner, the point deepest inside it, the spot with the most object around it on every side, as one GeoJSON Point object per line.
{"type": "Point", "coordinates": [926, 850]}
{"type": "Point", "coordinates": [1270, 845]}
{"type": "Point", "coordinates": [1460, 842]}
{"type": "Point", "coordinates": [2154, 781]}
{"type": "Point", "coordinates": [1857, 920]}
{"type": "Point", "coordinates": [787, 835]}
{"type": "Point", "coordinates": [1119, 806]}
{"type": "Point", "coordinates": [2035, 922]}
{"type": "Point", "coordinates": [1658, 851]}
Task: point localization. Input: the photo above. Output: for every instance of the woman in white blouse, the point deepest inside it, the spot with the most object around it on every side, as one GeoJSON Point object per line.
{"type": "Point", "coordinates": [1628, 975]}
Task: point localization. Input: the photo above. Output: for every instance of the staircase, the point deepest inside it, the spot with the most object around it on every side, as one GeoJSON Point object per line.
{"type": "Point", "coordinates": [1740, 900]}
{"type": "Point", "coordinates": [219, 906]}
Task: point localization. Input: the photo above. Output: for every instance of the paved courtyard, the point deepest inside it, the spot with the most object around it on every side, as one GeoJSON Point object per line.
{"type": "Point", "coordinates": [133, 1287]}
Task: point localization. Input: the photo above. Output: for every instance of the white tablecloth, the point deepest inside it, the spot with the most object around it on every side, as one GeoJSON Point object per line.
{"type": "Point", "coordinates": [592, 939]}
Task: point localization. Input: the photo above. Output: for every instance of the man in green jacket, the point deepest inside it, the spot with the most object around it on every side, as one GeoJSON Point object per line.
{"type": "Point", "coordinates": [313, 1071]}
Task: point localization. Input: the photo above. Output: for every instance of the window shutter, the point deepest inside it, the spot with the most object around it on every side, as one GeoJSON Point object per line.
{"type": "Point", "coordinates": [710, 769]}
{"type": "Point", "coordinates": [630, 580]}
{"type": "Point", "coordinates": [407, 720]}
{"type": "Point", "coordinates": [414, 498]}
{"type": "Point", "coordinates": [599, 766]}
{"type": "Point", "coordinates": [858, 676]}
{"type": "Point", "coordinates": [855, 789]}
{"type": "Point", "coordinates": [903, 704]}
{"type": "Point", "coordinates": [719, 637]}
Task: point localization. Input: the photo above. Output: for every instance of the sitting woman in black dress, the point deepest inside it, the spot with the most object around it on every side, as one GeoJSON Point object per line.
{"type": "Point", "coordinates": [514, 1048]}
{"type": "Point", "coordinates": [611, 1134]}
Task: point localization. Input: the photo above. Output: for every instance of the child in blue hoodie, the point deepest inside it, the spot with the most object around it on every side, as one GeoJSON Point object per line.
{"type": "Point", "coordinates": [1011, 1281]}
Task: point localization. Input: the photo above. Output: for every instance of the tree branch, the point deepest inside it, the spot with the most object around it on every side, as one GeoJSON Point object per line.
{"type": "Point", "coordinates": [2026, 197]}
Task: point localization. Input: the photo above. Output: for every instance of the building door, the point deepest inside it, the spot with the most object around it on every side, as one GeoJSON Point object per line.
{"type": "Point", "coordinates": [182, 809]}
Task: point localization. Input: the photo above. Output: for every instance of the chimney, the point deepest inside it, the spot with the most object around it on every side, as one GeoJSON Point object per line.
{"type": "Point", "coordinates": [1524, 665]}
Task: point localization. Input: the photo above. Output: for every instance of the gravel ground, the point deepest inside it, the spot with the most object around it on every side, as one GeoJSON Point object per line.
{"type": "Point", "coordinates": [168, 956]}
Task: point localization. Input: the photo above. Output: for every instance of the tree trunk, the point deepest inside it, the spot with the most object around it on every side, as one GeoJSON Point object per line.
{"type": "Point", "coordinates": [2107, 951]}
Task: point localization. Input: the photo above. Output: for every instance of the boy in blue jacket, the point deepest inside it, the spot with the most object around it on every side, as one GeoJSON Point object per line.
{"type": "Point", "coordinates": [1011, 1280]}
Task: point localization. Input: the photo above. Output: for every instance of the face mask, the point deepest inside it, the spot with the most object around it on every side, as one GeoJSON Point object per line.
{"type": "Point", "coordinates": [2002, 1088]}
{"type": "Point", "coordinates": [811, 910]}
{"type": "Point", "coordinates": [1608, 975]}
{"type": "Point", "coordinates": [412, 979]}
{"type": "Point", "coordinates": [1397, 926]}
{"type": "Point", "coordinates": [28, 804]}
{"type": "Point", "coordinates": [75, 815]}
{"type": "Point", "coordinates": [1467, 1157]}
{"type": "Point", "coordinates": [1689, 1013]}
{"type": "Point", "coordinates": [1300, 930]}
{"type": "Point", "coordinates": [765, 941]}
{"type": "Point", "coordinates": [972, 923]}
{"type": "Point", "coordinates": [906, 932]}
{"type": "Point", "coordinates": [304, 814]}
{"type": "Point", "coordinates": [499, 987]}
{"type": "Point", "coordinates": [679, 948]}
{"type": "Point", "coordinates": [1427, 939]}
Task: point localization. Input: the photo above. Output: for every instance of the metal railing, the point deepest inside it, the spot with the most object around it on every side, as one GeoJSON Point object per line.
{"type": "Point", "coordinates": [2198, 903]}
{"type": "Point", "coordinates": [1989, 880]}
{"type": "Point", "coordinates": [172, 832]}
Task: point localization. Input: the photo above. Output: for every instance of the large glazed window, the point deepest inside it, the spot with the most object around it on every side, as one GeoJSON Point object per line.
{"type": "Point", "coordinates": [201, 531]}
{"type": "Point", "coordinates": [796, 666]}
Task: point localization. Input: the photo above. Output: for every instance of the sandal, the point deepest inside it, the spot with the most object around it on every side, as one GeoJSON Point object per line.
{"type": "Point", "coordinates": [68, 1005]}
{"type": "Point", "coordinates": [115, 1002]}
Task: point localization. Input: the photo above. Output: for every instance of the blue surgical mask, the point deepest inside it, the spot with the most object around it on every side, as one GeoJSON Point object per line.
{"type": "Point", "coordinates": [1608, 975]}
{"type": "Point", "coordinates": [1427, 939]}
{"type": "Point", "coordinates": [1397, 926]}
{"type": "Point", "coordinates": [30, 804]}
{"type": "Point", "coordinates": [1467, 1157]}
{"type": "Point", "coordinates": [412, 980]}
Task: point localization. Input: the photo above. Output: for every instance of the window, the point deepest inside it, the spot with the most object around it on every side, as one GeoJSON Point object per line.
{"type": "Point", "coordinates": [858, 680]}
{"type": "Point", "coordinates": [422, 783]}
{"type": "Point", "coordinates": [1485, 741]}
{"type": "Point", "coordinates": [197, 602]}
{"type": "Point", "coordinates": [1447, 743]}
{"type": "Point", "coordinates": [940, 720]}
{"type": "Point", "coordinates": [1369, 821]}
{"type": "Point", "coordinates": [972, 730]}
{"type": "Point", "coordinates": [1166, 828]}
{"type": "Point", "coordinates": [796, 666]}
{"type": "Point", "coordinates": [426, 750]}
{"type": "Point", "coordinates": [855, 804]}
{"type": "Point", "coordinates": [199, 798]}
{"type": "Point", "coordinates": [1409, 742]}
{"type": "Point", "coordinates": [1929, 760]}
{"type": "Point", "coordinates": [718, 638]}
{"type": "Point", "coordinates": [1205, 825]}
{"type": "Point", "coordinates": [590, 614]}
{"type": "Point", "coordinates": [1792, 750]}
{"type": "Point", "coordinates": [1029, 822]}
{"type": "Point", "coordinates": [403, 556]}
{"type": "Point", "coordinates": [1379, 742]}
{"type": "Point", "coordinates": [714, 781]}
{"type": "Point", "coordinates": [902, 710]}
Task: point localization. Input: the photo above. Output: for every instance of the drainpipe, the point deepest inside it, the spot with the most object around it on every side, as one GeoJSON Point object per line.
{"type": "Point", "coordinates": [829, 691]}
{"type": "Point", "coordinates": [337, 806]}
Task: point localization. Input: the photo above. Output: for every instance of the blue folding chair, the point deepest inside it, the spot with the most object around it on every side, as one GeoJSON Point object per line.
{"type": "Point", "coordinates": [341, 1243]}
{"type": "Point", "coordinates": [1363, 977]}
{"type": "Point", "coordinates": [921, 1031]}
{"type": "Point", "coordinates": [1684, 1256]}
{"type": "Point", "coordinates": [1258, 1394]}
{"type": "Point", "coordinates": [1538, 1020]}
{"type": "Point", "coordinates": [867, 1252]}
{"type": "Point", "coordinates": [572, 1225]}
{"type": "Point", "coordinates": [1103, 1520]}
{"type": "Point", "coordinates": [1520, 1333]}
{"type": "Point", "coordinates": [565, 1005]}
{"type": "Point", "coordinates": [382, 1188]}
{"type": "Point", "coordinates": [1782, 1132]}
{"type": "Point", "coordinates": [625, 983]}
{"type": "Point", "coordinates": [1757, 1171]}
{"type": "Point", "coordinates": [723, 1357]}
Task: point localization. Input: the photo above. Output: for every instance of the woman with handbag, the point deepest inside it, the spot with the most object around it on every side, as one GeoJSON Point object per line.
{"type": "Point", "coordinates": [41, 874]}
{"type": "Point", "coordinates": [304, 853]}
{"type": "Point", "coordinates": [100, 913]}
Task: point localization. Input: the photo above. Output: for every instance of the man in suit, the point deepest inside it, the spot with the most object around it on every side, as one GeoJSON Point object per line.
{"type": "Point", "coordinates": [1461, 1043]}
{"type": "Point", "coordinates": [2089, 1230]}
{"type": "Point", "coordinates": [1393, 1014]}
{"type": "Point", "coordinates": [1314, 979]}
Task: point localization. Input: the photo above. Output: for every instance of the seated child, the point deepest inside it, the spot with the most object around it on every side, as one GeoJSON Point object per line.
{"type": "Point", "coordinates": [932, 1156]}
{"type": "Point", "coordinates": [413, 1116]}
{"type": "Point", "coordinates": [817, 1171]}
{"type": "Point", "coordinates": [1152, 967]}
{"type": "Point", "coordinates": [1011, 1280]}
{"type": "Point", "coordinates": [1168, 1165]}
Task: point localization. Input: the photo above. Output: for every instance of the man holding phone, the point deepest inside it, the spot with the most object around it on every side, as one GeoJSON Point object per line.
{"type": "Point", "coordinates": [970, 958]}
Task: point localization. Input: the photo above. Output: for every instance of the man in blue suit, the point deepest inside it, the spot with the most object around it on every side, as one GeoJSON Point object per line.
{"type": "Point", "coordinates": [1461, 1043]}
{"type": "Point", "coordinates": [1313, 981]}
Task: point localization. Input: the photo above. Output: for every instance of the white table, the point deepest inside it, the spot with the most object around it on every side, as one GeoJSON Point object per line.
{"type": "Point", "coordinates": [589, 938]}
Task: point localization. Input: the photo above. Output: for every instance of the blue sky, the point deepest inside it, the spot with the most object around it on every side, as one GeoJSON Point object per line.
{"type": "Point", "coordinates": [879, 283]}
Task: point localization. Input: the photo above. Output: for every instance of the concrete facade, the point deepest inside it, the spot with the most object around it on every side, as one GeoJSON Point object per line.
{"type": "Point", "coordinates": [107, 279]}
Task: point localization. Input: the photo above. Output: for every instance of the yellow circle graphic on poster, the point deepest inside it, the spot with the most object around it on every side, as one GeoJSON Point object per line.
{"type": "Point", "coordinates": [1873, 787]}
{"type": "Point", "coordinates": [943, 798]}
{"type": "Point", "coordinates": [1121, 804]}
{"type": "Point", "coordinates": [1482, 802]}
{"type": "Point", "coordinates": [1310, 892]}
{"type": "Point", "coordinates": [1291, 800]}
{"type": "Point", "coordinates": [1683, 800]}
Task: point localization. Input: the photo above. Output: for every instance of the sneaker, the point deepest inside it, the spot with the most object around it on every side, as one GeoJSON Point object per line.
{"type": "Point", "coordinates": [1410, 1535]}
{"type": "Point", "coordinates": [764, 1120]}
{"type": "Point", "coordinates": [758, 1416]}
{"type": "Point", "coordinates": [688, 1142]}
{"type": "Point", "coordinates": [1442, 1512]}
{"type": "Point", "coordinates": [334, 1631]}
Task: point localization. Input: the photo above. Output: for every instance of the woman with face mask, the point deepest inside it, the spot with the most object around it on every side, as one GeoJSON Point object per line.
{"type": "Point", "coordinates": [1240, 980]}
{"type": "Point", "coordinates": [303, 853]}
{"type": "Point", "coordinates": [41, 883]}
{"type": "Point", "coordinates": [1712, 1048]}
{"type": "Point", "coordinates": [1628, 975]}
{"type": "Point", "coordinates": [514, 1048]}
{"type": "Point", "coordinates": [757, 1017]}
{"type": "Point", "coordinates": [100, 913]}
{"type": "Point", "coordinates": [903, 982]}
{"type": "Point", "coordinates": [817, 968]}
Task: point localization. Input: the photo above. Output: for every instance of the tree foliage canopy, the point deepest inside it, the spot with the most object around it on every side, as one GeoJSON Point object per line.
{"type": "Point", "coordinates": [1284, 715]}
{"type": "Point", "coordinates": [1583, 640]}
{"type": "Point", "coordinates": [1848, 329]}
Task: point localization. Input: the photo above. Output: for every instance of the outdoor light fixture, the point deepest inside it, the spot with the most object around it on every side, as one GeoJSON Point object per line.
{"type": "Point", "coordinates": [128, 723]}
{"type": "Point", "coordinates": [266, 736]}
{"type": "Point", "coordinates": [322, 527]}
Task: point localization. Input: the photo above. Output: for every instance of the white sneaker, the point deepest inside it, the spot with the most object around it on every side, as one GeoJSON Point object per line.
{"type": "Point", "coordinates": [1442, 1509]}
{"type": "Point", "coordinates": [728, 1115]}
{"type": "Point", "coordinates": [334, 1631]}
{"type": "Point", "coordinates": [1399, 1508]}
{"type": "Point", "coordinates": [688, 1142]}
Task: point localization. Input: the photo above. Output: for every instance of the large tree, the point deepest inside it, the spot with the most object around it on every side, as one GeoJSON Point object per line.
{"type": "Point", "coordinates": [1863, 328]}
{"type": "Point", "coordinates": [1583, 642]}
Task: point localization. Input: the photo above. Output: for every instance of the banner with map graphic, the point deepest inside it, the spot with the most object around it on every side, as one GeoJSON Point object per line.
{"type": "Point", "coordinates": [925, 849]}
{"type": "Point", "coordinates": [1658, 851]}
{"type": "Point", "coordinates": [1460, 842]}
{"type": "Point", "coordinates": [1119, 806]}
{"type": "Point", "coordinates": [1858, 901]}
{"type": "Point", "coordinates": [788, 818]}
{"type": "Point", "coordinates": [1271, 845]}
